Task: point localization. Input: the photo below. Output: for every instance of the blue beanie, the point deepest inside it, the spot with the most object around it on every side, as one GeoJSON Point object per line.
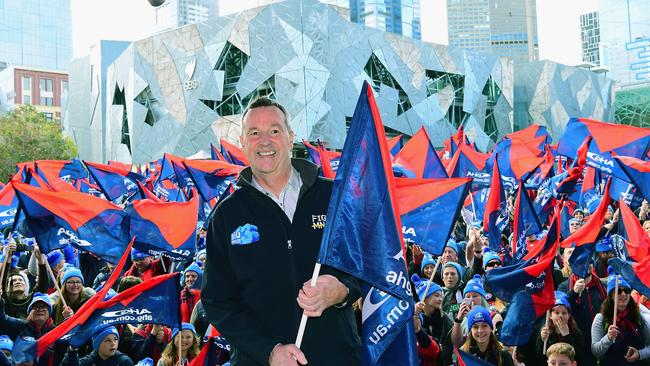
{"type": "Point", "coordinates": [102, 333]}
{"type": "Point", "coordinates": [479, 314]}
{"type": "Point", "coordinates": [604, 245]}
{"type": "Point", "coordinates": [458, 268]}
{"type": "Point", "coordinates": [24, 350]}
{"type": "Point", "coordinates": [426, 260]}
{"type": "Point", "coordinates": [195, 268]}
{"type": "Point", "coordinates": [40, 297]}
{"type": "Point", "coordinates": [475, 285]}
{"type": "Point", "coordinates": [54, 258]}
{"type": "Point", "coordinates": [578, 210]}
{"type": "Point", "coordinates": [454, 246]}
{"type": "Point", "coordinates": [421, 285]}
{"type": "Point", "coordinates": [477, 224]}
{"type": "Point", "coordinates": [72, 272]}
{"type": "Point", "coordinates": [137, 255]}
{"type": "Point", "coordinates": [146, 362]}
{"type": "Point", "coordinates": [6, 344]}
{"type": "Point", "coordinates": [184, 326]}
{"type": "Point", "coordinates": [611, 281]}
{"type": "Point", "coordinates": [489, 256]}
{"type": "Point", "coordinates": [573, 219]}
{"type": "Point", "coordinates": [562, 299]}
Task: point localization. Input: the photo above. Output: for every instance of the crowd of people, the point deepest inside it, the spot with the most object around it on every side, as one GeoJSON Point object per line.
{"type": "Point", "coordinates": [249, 281]}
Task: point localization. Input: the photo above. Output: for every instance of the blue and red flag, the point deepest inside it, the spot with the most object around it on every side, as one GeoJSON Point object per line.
{"type": "Point", "coordinates": [363, 233]}
{"type": "Point", "coordinates": [154, 301]}
{"type": "Point", "coordinates": [168, 190]}
{"type": "Point", "coordinates": [8, 206]}
{"type": "Point", "coordinates": [419, 157]}
{"type": "Point", "coordinates": [215, 352]}
{"type": "Point", "coordinates": [584, 239]}
{"type": "Point", "coordinates": [86, 309]}
{"type": "Point", "coordinates": [215, 154]}
{"type": "Point", "coordinates": [637, 274]}
{"type": "Point", "coordinates": [467, 162]}
{"type": "Point", "coordinates": [395, 144]}
{"type": "Point", "coordinates": [525, 223]}
{"type": "Point", "coordinates": [165, 227]}
{"type": "Point", "coordinates": [621, 139]}
{"type": "Point", "coordinates": [60, 218]}
{"type": "Point", "coordinates": [429, 208]}
{"type": "Point", "coordinates": [517, 159]}
{"type": "Point", "coordinates": [55, 171]}
{"type": "Point", "coordinates": [166, 167]}
{"type": "Point", "coordinates": [530, 135]}
{"type": "Point", "coordinates": [590, 188]}
{"type": "Point", "coordinates": [638, 172]}
{"type": "Point", "coordinates": [496, 215]}
{"type": "Point", "coordinates": [183, 178]}
{"type": "Point", "coordinates": [84, 186]}
{"type": "Point", "coordinates": [466, 359]}
{"type": "Point", "coordinates": [117, 184]}
{"type": "Point", "coordinates": [506, 281]}
{"type": "Point", "coordinates": [232, 153]}
{"type": "Point", "coordinates": [211, 177]}
{"type": "Point", "coordinates": [637, 241]}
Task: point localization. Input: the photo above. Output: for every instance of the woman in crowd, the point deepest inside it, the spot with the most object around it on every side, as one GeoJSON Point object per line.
{"type": "Point", "coordinates": [627, 342]}
{"type": "Point", "coordinates": [74, 293]}
{"type": "Point", "coordinates": [188, 342]}
{"type": "Point", "coordinates": [561, 328]}
{"type": "Point", "coordinates": [481, 341]}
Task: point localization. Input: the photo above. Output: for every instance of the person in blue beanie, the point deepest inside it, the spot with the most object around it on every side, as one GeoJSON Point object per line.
{"type": "Point", "coordinates": [561, 328]}
{"type": "Point", "coordinates": [188, 341]}
{"type": "Point", "coordinates": [452, 272]}
{"type": "Point", "coordinates": [190, 295]}
{"type": "Point", "coordinates": [432, 319]}
{"type": "Point", "coordinates": [627, 342]}
{"type": "Point", "coordinates": [473, 295]}
{"type": "Point", "coordinates": [481, 341]}
{"type": "Point", "coordinates": [74, 293]}
{"type": "Point", "coordinates": [105, 341]}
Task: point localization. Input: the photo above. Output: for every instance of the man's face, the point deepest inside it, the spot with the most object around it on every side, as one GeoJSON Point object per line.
{"type": "Point", "coordinates": [142, 264]}
{"type": "Point", "coordinates": [646, 226]}
{"type": "Point", "coordinates": [573, 227]}
{"type": "Point", "coordinates": [266, 141]}
{"type": "Point", "coordinates": [190, 278]}
{"type": "Point", "coordinates": [449, 255]}
{"type": "Point", "coordinates": [450, 277]}
{"type": "Point", "coordinates": [40, 312]}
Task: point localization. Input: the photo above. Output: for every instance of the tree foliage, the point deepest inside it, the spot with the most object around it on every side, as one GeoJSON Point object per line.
{"type": "Point", "coordinates": [26, 135]}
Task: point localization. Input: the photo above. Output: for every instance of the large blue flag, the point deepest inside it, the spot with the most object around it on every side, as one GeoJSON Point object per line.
{"type": "Point", "coordinates": [362, 235]}
{"type": "Point", "coordinates": [8, 206]}
{"type": "Point", "coordinates": [116, 183]}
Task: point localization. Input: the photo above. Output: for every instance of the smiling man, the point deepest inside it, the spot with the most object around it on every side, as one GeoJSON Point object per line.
{"type": "Point", "coordinates": [262, 244]}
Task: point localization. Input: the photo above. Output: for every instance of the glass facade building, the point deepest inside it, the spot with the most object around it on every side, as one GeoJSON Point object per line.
{"type": "Point", "coordinates": [35, 33]}
{"type": "Point", "coordinates": [625, 33]}
{"type": "Point", "coordinates": [397, 16]}
{"type": "Point", "coordinates": [504, 27]}
{"type": "Point", "coordinates": [177, 13]}
{"type": "Point", "coordinates": [590, 37]}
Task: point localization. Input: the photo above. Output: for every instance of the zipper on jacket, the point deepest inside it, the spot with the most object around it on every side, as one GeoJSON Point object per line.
{"type": "Point", "coordinates": [289, 246]}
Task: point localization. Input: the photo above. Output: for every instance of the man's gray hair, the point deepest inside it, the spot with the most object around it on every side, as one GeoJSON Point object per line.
{"type": "Point", "coordinates": [266, 102]}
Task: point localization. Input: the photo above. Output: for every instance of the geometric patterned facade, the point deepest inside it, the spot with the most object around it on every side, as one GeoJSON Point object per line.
{"type": "Point", "coordinates": [632, 106]}
{"type": "Point", "coordinates": [180, 90]}
{"type": "Point", "coordinates": [548, 94]}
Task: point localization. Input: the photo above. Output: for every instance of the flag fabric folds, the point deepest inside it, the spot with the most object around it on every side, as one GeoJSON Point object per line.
{"type": "Point", "coordinates": [88, 223]}
{"type": "Point", "coordinates": [638, 172]}
{"type": "Point", "coordinates": [232, 153]}
{"type": "Point", "coordinates": [637, 242]}
{"type": "Point", "coordinates": [116, 183]}
{"type": "Point", "coordinates": [8, 206]}
{"type": "Point", "coordinates": [429, 208]}
{"type": "Point", "coordinates": [211, 177]}
{"type": "Point", "coordinates": [637, 274]}
{"type": "Point", "coordinates": [496, 214]}
{"type": "Point", "coordinates": [165, 227]}
{"type": "Point", "coordinates": [362, 235]}
{"type": "Point", "coordinates": [466, 359]}
{"type": "Point", "coordinates": [419, 157]}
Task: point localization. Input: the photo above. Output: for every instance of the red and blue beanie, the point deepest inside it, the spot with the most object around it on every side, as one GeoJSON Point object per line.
{"type": "Point", "coordinates": [479, 314]}
{"type": "Point", "coordinates": [40, 297]}
{"type": "Point", "coordinates": [102, 333]}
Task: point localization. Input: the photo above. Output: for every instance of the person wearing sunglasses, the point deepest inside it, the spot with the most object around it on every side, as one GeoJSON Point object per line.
{"type": "Point", "coordinates": [627, 342]}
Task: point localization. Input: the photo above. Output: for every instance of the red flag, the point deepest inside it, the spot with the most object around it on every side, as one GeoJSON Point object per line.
{"type": "Point", "coordinates": [588, 233]}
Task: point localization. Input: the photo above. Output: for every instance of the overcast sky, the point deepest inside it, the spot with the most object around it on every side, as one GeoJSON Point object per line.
{"type": "Point", "coordinates": [557, 21]}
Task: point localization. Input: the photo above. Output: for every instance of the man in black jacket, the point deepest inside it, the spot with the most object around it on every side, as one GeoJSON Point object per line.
{"type": "Point", "coordinates": [262, 245]}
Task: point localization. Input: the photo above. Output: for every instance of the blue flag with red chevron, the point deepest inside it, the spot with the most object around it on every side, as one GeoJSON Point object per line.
{"type": "Point", "coordinates": [154, 301]}
{"type": "Point", "coordinates": [88, 223]}
{"type": "Point", "coordinates": [232, 153]}
{"type": "Point", "coordinates": [638, 172]}
{"type": "Point", "coordinates": [165, 227]}
{"type": "Point", "coordinates": [211, 177]}
{"type": "Point", "coordinates": [637, 241]}
{"type": "Point", "coordinates": [496, 215]}
{"type": "Point", "coordinates": [528, 274]}
{"type": "Point", "coordinates": [525, 223]}
{"type": "Point", "coordinates": [637, 274]}
{"type": "Point", "coordinates": [467, 162]}
{"type": "Point", "coordinates": [429, 208]}
{"type": "Point", "coordinates": [8, 206]}
{"type": "Point", "coordinates": [363, 233]}
{"type": "Point", "coordinates": [68, 171]}
{"type": "Point", "coordinates": [419, 157]}
{"type": "Point", "coordinates": [467, 359]}
{"type": "Point", "coordinates": [117, 184]}
{"type": "Point", "coordinates": [516, 160]}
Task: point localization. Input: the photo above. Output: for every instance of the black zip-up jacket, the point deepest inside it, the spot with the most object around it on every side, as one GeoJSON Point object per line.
{"type": "Point", "coordinates": [249, 291]}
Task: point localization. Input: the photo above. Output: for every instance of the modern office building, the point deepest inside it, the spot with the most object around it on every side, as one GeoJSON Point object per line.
{"type": "Point", "coordinates": [44, 89]}
{"type": "Point", "coordinates": [177, 13]}
{"type": "Point", "coordinates": [590, 37]}
{"type": "Point", "coordinates": [397, 16]}
{"type": "Point", "coordinates": [179, 91]}
{"type": "Point", "coordinates": [625, 34]}
{"type": "Point", "coordinates": [35, 34]}
{"type": "Point", "coordinates": [500, 27]}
